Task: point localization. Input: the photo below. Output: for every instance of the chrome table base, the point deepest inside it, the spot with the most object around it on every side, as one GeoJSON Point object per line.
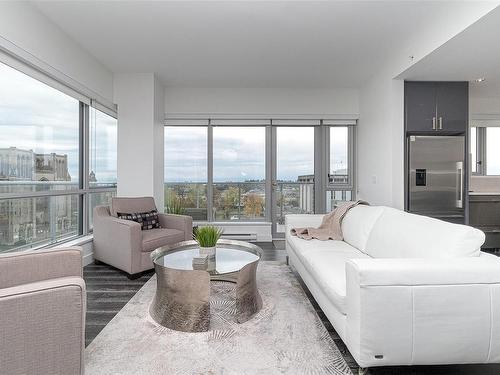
{"type": "Point", "coordinates": [182, 299]}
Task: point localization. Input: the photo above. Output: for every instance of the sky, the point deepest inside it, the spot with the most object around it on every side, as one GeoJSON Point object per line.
{"type": "Point", "coordinates": [35, 116]}
{"type": "Point", "coordinates": [493, 150]}
{"type": "Point", "coordinates": [239, 153]}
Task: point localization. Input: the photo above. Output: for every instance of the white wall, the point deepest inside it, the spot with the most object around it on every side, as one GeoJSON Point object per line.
{"type": "Point", "coordinates": [248, 101]}
{"type": "Point", "coordinates": [380, 142]}
{"type": "Point", "coordinates": [484, 107]}
{"type": "Point", "coordinates": [27, 33]}
{"type": "Point", "coordinates": [140, 135]}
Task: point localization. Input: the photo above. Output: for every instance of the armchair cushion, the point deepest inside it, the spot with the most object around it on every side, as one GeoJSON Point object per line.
{"type": "Point", "coordinates": [148, 220]}
{"type": "Point", "coordinates": [131, 205]}
{"type": "Point", "coordinates": [155, 238]}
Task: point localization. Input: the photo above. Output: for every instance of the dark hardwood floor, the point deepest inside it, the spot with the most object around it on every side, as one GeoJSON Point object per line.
{"type": "Point", "coordinates": [109, 289]}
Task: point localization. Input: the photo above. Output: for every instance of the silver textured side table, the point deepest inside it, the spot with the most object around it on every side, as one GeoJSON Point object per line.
{"type": "Point", "coordinates": [182, 299]}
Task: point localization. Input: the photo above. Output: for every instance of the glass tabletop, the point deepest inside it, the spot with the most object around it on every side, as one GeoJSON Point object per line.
{"type": "Point", "coordinates": [230, 256]}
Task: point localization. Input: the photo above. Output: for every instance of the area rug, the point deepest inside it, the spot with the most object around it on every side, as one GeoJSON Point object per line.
{"type": "Point", "coordinates": [285, 337]}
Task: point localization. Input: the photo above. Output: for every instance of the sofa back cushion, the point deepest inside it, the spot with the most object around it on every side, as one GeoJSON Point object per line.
{"type": "Point", "coordinates": [398, 234]}
{"type": "Point", "coordinates": [358, 223]}
{"type": "Point", "coordinates": [131, 205]}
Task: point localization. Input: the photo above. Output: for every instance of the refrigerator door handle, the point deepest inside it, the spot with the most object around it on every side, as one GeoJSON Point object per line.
{"type": "Point", "coordinates": [440, 123]}
{"type": "Point", "coordinates": [434, 123]}
{"type": "Point", "coordinates": [460, 183]}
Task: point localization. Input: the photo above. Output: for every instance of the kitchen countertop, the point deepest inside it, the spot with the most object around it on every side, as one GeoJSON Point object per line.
{"type": "Point", "coordinates": [483, 193]}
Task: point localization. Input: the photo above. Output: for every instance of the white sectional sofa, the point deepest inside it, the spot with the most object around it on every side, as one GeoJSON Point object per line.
{"type": "Point", "coordinates": [403, 289]}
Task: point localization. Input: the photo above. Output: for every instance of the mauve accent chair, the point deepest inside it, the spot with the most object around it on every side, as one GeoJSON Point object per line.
{"type": "Point", "coordinates": [122, 243]}
{"type": "Point", "coordinates": [42, 312]}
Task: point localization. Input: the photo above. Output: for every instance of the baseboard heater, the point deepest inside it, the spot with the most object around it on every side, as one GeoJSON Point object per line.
{"type": "Point", "coordinates": [240, 236]}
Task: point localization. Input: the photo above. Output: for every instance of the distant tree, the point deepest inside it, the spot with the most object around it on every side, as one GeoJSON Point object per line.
{"type": "Point", "coordinates": [229, 200]}
{"type": "Point", "coordinates": [196, 196]}
{"type": "Point", "coordinates": [254, 205]}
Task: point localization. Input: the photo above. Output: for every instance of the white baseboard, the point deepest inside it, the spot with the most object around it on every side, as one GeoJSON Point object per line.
{"type": "Point", "coordinates": [88, 259]}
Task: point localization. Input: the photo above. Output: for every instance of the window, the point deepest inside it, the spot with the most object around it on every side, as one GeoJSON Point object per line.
{"type": "Point", "coordinates": [294, 190]}
{"type": "Point", "coordinates": [340, 171]}
{"type": "Point", "coordinates": [41, 162]}
{"type": "Point", "coordinates": [339, 155]}
{"type": "Point", "coordinates": [186, 171]}
{"type": "Point", "coordinates": [239, 173]}
{"type": "Point", "coordinates": [40, 135]}
{"type": "Point", "coordinates": [493, 151]}
{"type": "Point", "coordinates": [103, 143]}
{"type": "Point", "coordinates": [256, 170]}
{"type": "Point", "coordinates": [484, 150]}
{"type": "Point", "coordinates": [31, 222]}
{"type": "Point", "coordinates": [473, 149]}
{"type": "Point", "coordinates": [99, 199]}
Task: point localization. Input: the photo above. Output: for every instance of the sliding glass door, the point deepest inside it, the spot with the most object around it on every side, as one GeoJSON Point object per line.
{"type": "Point", "coordinates": [293, 184]}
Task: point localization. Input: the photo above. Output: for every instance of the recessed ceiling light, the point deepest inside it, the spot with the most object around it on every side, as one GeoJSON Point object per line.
{"type": "Point", "coordinates": [479, 80]}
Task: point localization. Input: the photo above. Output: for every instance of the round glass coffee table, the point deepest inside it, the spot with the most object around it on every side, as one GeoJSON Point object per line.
{"type": "Point", "coordinates": [182, 299]}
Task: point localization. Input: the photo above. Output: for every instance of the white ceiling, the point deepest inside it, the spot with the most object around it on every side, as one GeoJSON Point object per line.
{"type": "Point", "coordinates": [247, 44]}
{"type": "Point", "coordinates": [472, 54]}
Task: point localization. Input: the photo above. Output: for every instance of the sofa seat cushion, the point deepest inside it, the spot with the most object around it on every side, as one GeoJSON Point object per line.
{"type": "Point", "coordinates": [155, 238]}
{"type": "Point", "coordinates": [325, 261]}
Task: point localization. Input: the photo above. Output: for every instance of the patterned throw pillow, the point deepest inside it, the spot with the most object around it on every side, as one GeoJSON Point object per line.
{"type": "Point", "coordinates": [148, 220]}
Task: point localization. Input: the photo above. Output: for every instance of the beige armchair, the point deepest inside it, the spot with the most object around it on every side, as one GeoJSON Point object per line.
{"type": "Point", "coordinates": [42, 312]}
{"type": "Point", "coordinates": [122, 243]}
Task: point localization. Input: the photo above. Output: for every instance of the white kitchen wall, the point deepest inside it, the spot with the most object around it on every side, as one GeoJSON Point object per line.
{"type": "Point", "coordinates": [27, 33]}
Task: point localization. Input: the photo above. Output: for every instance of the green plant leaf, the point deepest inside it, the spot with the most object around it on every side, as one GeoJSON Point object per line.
{"type": "Point", "coordinates": [207, 236]}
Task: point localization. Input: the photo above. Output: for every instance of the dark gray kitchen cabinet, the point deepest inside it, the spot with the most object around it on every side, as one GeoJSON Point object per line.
{"type": "Point", "coordinates": [436, 107]}
{"type": "Point", "coordinates": [452, 103]}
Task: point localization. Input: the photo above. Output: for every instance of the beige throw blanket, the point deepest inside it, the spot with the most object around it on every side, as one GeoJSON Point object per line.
{"type": "Point", "coordinates": [330, 228]}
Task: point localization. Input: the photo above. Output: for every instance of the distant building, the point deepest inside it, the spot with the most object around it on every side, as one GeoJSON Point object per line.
{"type": "Point", "coordinates": [306, 192]}
{"type": "Point", "coordinates": [25, 165]}
{"type": "Point", "coordinates": [16, 164]}
{"type": "Point", "coordinates": [28, 219]}
{"type": "Point", "coordinates": [51, 167]}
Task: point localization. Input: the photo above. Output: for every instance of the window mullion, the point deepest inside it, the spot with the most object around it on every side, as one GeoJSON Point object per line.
{"type": "Point", "coordinates": [84, 168]}
{"type": "Point", "coordinates": [210, 171]}
{"type": "Point", "coordinates": [481, 151]}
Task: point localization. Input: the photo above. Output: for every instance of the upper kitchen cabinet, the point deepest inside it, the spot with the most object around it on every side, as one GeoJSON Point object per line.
{"type": "Point", "coordinates": [452, 103]}
{"type": "Point", "coordinates": [420, 106]}
{"type": "Point", "coordinates": [436, 107]}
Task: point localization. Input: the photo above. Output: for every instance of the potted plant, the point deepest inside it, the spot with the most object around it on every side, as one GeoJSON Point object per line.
{"type": "Point", "coordinates": [207, 237]}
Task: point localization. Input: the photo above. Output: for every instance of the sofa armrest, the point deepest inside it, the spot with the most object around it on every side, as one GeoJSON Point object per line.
{"type": "Point", "coordinates": [43, 327]}
{"type": "Point", "coordinates": [180, 222]}
{"type": "Point", "coordinates": [118, 242]}
{"type": "Point", "coordinates": [31, 266]}
{"type": "Point", "coordinates": [421, 271]}
{"type": "Point", "coordinates": [422, 311]}
{"type": "Point", "coordinates": [301, 221]}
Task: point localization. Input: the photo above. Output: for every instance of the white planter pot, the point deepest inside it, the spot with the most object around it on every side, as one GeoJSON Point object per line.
{"type": "Point", "coordinates": [209, 251]}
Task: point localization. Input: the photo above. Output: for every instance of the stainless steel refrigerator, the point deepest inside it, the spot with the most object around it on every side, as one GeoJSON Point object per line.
{"type": "Point", "coordinates": [436, 181]}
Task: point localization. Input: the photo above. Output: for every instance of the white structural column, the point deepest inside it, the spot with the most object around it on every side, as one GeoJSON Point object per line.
{"type": "Point", "coordinates": [140, 99]}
